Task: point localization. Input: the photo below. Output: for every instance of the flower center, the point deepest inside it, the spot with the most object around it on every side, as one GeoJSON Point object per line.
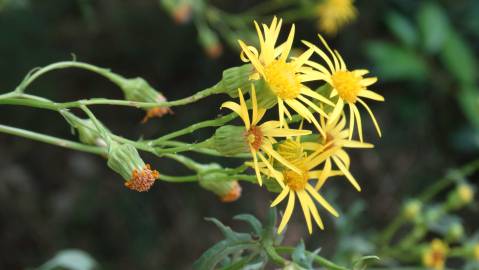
{"type": "Point", "coordinates": [282, 79]}
{"type": "Point", "coordinates": [347, 84]}
{"type": "Point", "coordinates": [295, 180]}
{"type": "Point", "coordinates": [328, 141]}
{"type": "Point", "coordinates": [254, 136]}
{"type": "Point", "coordinates": [292, 151]}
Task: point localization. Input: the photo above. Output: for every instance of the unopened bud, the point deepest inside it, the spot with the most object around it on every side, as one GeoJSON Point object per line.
{"type": "Point", "coordinates": [212, 178]}
{"type": "Point", "coordinates": [182, 13]}
{"type": "Point", "coordinates": [210, 42]}
{"type": "Point", "coordinates": [266, 98]}
{"type": "Point", "coordinates": [455, 232]}
{"type": "Point", "coordinates": [126, 161]}
{"type": "Point", "coordinates": [412, 209]}
{"type": "Point", "coordinates": [230, 140]}
{"type": "Point", "coordinates": [89, 134]}
{"type": "Point", "coordinates": [235, 78]}
{"type": "Point", "coordinates": [461, 196]}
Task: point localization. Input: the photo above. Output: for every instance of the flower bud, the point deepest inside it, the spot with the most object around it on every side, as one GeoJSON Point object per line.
{"type": "Point", "coordinates": [266, 98]}
{"type": "Point", "coordinates": [180, 10]}
{"type": "Point", "coordinates": [139, 90]}
{"type": "Point", "coordinates": [455, 232]}
{"type": "Point", "coordinates": [213, 179]}
{"type": "Point", "coordinates": [435, 255]}
{"type": "Point", "coordinates": [460, 197]}
{"type": "Point", "coordinates": [89, 134]}
{"type": "Point", "coordinates": [412, 209]}
{"type": "Point", "coordinates": [234, 78]}
{"type": "Point", "coordinates": [125, 160]}
{"type": "Point", "coordinates": [210, 42]}
{"type": "Point", "coordinates": [230, 140]}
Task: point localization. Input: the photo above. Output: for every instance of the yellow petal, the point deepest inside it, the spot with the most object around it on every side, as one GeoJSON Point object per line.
{"type": "Point", "coordinates": [346, 173]}
{"type": "Point", "coordinates": [280, 197]}
{"type": "Point", "coordinates": [372, 116]}
{"type": "Point", "coordinates": [371, 95]}
{"type": "Point", "coordinates": [304, 206]}
{"type": "Point", "coordinates": [314, 211]}
{"type": "Point", "coordinates": [287, 212]}
{"type": "Point", "coordinates": [321, 200]}
{"type": "Point", "coordinates": [288, 45]}
{"type": "Point", "coordinates": [358, 120]}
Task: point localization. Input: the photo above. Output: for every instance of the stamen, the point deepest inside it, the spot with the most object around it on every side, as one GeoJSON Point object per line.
{"type": "Point", "coordinates": [282, 79]}
{"type": "Point", "coordinates": [347, 84]}
{"type": "Point", "coordinates": [143, 180]}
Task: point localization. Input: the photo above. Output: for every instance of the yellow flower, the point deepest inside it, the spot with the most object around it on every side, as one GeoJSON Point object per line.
{"type": "Point", "coordinates": [284, 78]}
{"type": "Point", "coordinates": [465, 193]}
{"type": "Point", "coordinates": [436, 254]}
{"type": "Point", "coordinates": [334, 14]}
{"type": "Point", "coordinates": [296, 184]}
{"type": "Point", "coordinates": [260, 137]}
{"type": "Point", "coordinates": [476, 252]}
{"type": "Point", "coordinates": [350, 86]}
{"type": "Point", "coordinates": [331, 149]}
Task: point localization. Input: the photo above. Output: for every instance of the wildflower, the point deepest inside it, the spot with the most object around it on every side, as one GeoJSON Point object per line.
{"type": "Point", "coordinates": [476, 252]}
{"type": "Point", "coordinates": [331, 148]}
{"type": "Point", "coordinates": [436, 254]}
{"type": "Point", "coordinates": [334, 14]}
{"type": "Point", "coordinates": [259, 137]}
{"type": "Point", "coordinates": [349, 86]}
{"type": "Point", "coordinates": [125, 160]}
{"type": "Point", "coordinates": [461, 196]}
{"type": "Point", "coordinates": [284, 78]}
{"type": "Point", "coordinates": [296, 184]}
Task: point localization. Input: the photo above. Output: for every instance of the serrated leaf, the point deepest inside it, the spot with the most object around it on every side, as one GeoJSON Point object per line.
{"type": "Point", "coordinates": [393, 62]}
{"type": "Point", "coordinates": [300, 257]}
{"type": "Point", "coordinates": [402, 28]}
{"type": "Point", "coordinates": [252, 221]}
{"type": "Point", "coordinates": [434, 26]}
{"type": "Point", "coordinates": [228, 232]}
{"type": "Point", "coordinates": [214, 255]}
{"type": "Point", "coordinates": [459, 59]}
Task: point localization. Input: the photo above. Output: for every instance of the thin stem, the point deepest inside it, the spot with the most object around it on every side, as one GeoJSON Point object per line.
{"type": "Point", "coordinates": [178, 179]}
{"type": "Point", "coordinates": [209, 123]}
{"type": "Point", "coordinates": [318, 259]}
{"type": "Point", "coordinates": [52, 140]}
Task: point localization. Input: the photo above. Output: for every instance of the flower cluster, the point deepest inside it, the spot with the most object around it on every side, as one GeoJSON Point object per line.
{"type": "Point", "coordinates": [301, 160]}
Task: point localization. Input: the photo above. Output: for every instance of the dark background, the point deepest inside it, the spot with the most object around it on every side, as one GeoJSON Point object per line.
{"type": "Point", "coordinates": [53, 198]}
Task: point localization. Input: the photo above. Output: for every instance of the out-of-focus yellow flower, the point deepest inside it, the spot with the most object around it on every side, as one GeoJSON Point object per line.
{"type": "Point", "coordinates": [349, 86]}
{"type": "Point", "coordinates": [260, 137]}
{"type": "Point", "coordinates": [436, 254]}
{"type": "Point", "coordinates": [466, 193]}
{"type": "Point", "coordinates": [476, 252]}
{"type": "Point", "coordinates": [284, 77]}
{"type": "Point", "coordinates": [334, 14]}
{"type": "Point", "coordinates": [331, 149]}
{"type": "Point", "coordinates": [296, 184]}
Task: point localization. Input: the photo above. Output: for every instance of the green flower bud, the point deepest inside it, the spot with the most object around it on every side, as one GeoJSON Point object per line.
{"type": "Point", "coordinates": [125, 160]}
{"type": "Point", "coordinates": [213, 179]}
{"type": "Point", "coordinates": [412, 209]}
{"type": "Point", "coordinates": [210, 42]}
{"type": "Point", "coordinates": [455, 232]}
{"type": "Point", "coordinates": [230, 140]}
{"type": "Point", "coordinates": [266, 98]}
{"type": "Point", "coordinates": [433, 214]}
{"type": "Point", "coordinates": [460, 197]}
{"type": "Point", "coordinates": [139, 90]}
{"type": "Point", "coordinates": [234, 78]}
{"type": "Point", "coordinates": [89, 134]}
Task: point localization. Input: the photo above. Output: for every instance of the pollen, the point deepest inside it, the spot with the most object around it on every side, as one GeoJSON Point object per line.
{"type": "Point", "coordinates": [156, 112]}
{"type": "Point", "coordinates": [295, 180]}
{"type": "Point", "coordinates": [347, 84]}
{"type": "Point", "coordinates": [142, 180]}
{"type": "Point", "coordinates": [254, 136]}
{"type": "Point", "coordinates": [282, 79]}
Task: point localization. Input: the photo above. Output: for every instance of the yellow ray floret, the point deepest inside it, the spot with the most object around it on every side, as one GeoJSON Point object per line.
{"type": "Point", "coordinates": [334, 14]}
{"type": "Point", "coordinates": [350, 86]}
{"type": "Point", "coordinates": [284, 77]}
{"type": "Point", "coordinates": [296, 185]}
{"type": "Point", "coordinates": [331, 149]}
{"type": "Point", "coordinates": [260, 137]}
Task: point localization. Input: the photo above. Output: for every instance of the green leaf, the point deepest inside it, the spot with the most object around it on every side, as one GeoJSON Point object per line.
{"type": "Point", "coordinates": [469, 100]}
{"type": "Point", "coordinates": [393, 62]}
{"type": "Point", "coordinates": [251, 220]}
{"type": "Point", "coordinates": [434, 26]}
{"type": "Point", "coordinates": [363, 262]}
{"type": "Point", "coordinates": [301, 257]}
{"type": "Point", "coordinates": [71, 259]}
{"type": "Point", "coordinates": [459, 59]}
{"type": "Point", "coordinates": [217, 253]}
{"type": "Point", "coordinates": [402, 28]}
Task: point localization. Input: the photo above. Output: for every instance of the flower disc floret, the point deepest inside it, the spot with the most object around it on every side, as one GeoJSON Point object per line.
{"type": "Point", "coordinates": [348, 85]}
{"type": "Point", "coordinates": [282, 79]}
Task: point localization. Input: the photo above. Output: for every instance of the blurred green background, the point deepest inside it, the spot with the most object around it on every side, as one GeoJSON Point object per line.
{"type": "Point", "coordinates": [424, 53]}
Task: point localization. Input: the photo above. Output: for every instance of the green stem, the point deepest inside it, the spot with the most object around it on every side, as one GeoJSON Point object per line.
{"type": "Point", "coordinates": [52, 140]}
{"type": "Point", "coordinates": [209, 123]}
{"type": "Point", "coordinates": [178, 179]}
{"type": "Point", "coordinates": [318, 259]}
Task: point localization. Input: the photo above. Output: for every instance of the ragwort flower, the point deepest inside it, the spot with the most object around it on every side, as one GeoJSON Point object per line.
{"type": "Point", "coordinates": [334, 14]}
{"type": "Point", "coordinates": [296, 184]}
{"type": "Point", "coordinates": [283, 76]}
{"type": "Point", "coordinates": [350, 86]}
{"type": "Point", "coordinates": [436, 254]}
{"type": "Point", "coordinates": [260, 137]}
